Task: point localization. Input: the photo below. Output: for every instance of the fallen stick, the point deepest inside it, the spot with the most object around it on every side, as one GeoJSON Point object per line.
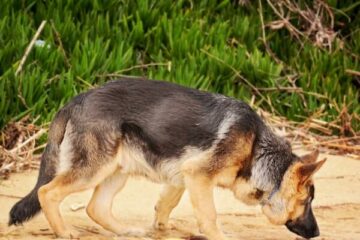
{"type": "Point", "coordinates": [9, 196]}
{"type": "Point", "coordinates": [33, 137]}
{"type": "Point", "coordinates": [29, 47]}
{"type": "Point", "coordinates": [57, 35]}
{"type": "Point", "coordinates": [352, 72]}
{"type": "Point", "coordinates": [340, 139]}
{"type": "Point", "coordinates": [119, 73]}
{"type": "Point", "coordinates": [33, 150]}
{"type": "Point", "coordinates": [339, 146]}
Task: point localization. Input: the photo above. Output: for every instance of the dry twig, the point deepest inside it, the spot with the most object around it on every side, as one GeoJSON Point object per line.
{"type": "Point", "coordinates": [30, 47]}
{"type": "Point", "coordinates": [316, 23]}
{"type": "Point", "coordinates": [141, 66]}
{"type": "Point", "coordinates": [58, 38]}
{"type": "Point", "coordinates": [352, 72]}
{"type": "Point", "coordinates": [17, 147]}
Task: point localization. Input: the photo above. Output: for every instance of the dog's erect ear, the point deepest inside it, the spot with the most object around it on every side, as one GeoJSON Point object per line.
{"type": "Point", "coordinates": [311, 157]}
{"type": "Point", "coordinates": [308, 169]}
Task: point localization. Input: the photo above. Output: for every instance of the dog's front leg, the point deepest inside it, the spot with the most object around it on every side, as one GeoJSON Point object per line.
{"type": "Point", "coordinates": [201, 194]}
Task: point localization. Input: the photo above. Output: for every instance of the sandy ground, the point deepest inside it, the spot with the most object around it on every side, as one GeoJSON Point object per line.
{"type": "Point", "coordinates": [336, 206]}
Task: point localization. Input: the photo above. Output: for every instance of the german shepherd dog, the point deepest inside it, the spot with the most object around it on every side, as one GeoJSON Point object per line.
{"type": "Point", "coordinates": [184, 138]}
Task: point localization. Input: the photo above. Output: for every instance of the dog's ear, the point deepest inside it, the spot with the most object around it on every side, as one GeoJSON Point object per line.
{"type": "Point", "coordinates": [310, 158]}
{"type": "Point", "coordinates": [307, 170]}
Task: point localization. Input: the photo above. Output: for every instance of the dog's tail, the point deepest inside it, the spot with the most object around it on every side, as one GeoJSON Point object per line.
{"type": "Point", "coordinates": [29, 206]}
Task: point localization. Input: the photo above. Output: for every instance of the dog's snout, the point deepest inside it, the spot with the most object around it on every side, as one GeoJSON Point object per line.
{"type": "Point", "coordinates": [306, 225]}
{"type": "Point", "coordinates": [316, 232]}
{"type": "Point", "coordinates": [303, 229]}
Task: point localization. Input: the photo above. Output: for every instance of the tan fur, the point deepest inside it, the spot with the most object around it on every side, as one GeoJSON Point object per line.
{"type": "Point", "coordinates": [50, 197]}
{"type": "Point", "coordinates": [288, 196]}
{"type": "Point", "coordinates": [234, 151]}
{"type": "Point", "coordinates": [311, 157]}
{"type": "Point", "coordinates": [226, 177]}
{"type": "Point", "coordinates": [169, 198]}
{"type": "Point", "coordinates": [100, 205]}
{"type": "Point", "coordinates": [200, 189]}
{"type": "Point", "coordinates": [293, 192]}
{"type": "Point", "coordinates": [201, 177]}
{"type": "Point", "coordinates": [99, 208]}
{"type": "Point", "coordinates": [52, 194]}
{"type": "Point", "coordinates": [245, 192]}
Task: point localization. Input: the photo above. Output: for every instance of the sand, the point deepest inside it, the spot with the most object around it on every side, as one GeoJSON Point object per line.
{"type": "Point", "coordinates": [336, 207]}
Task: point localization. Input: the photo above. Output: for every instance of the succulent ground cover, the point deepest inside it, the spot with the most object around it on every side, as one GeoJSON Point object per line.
{"type": "Point", "coordinates": [297, 62]}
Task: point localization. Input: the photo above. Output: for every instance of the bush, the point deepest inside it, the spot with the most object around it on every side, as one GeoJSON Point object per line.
{"type": "Point", "coordinates": [216, 46]}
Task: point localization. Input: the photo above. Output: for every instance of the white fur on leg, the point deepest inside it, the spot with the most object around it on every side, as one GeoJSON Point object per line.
{"type": "Point", "coordinates": [65, 153]}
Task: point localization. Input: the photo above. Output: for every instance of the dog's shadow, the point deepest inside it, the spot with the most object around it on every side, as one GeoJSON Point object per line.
{"type": "Point", "coordinates": [178, 230]}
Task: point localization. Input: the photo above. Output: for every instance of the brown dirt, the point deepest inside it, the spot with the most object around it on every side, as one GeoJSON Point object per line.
{"type": "Point", "coordinates": [336, 206]}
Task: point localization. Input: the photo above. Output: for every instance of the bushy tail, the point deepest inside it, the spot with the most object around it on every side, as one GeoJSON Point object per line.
{"type": "Point", "coordinates": [29, 206]}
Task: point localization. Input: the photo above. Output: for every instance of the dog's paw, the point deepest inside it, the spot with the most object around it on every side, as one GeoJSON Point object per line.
{"type": "Point", "coordinates": [69, 233]}
{"type": "Point", "coordinates": [160, 226]}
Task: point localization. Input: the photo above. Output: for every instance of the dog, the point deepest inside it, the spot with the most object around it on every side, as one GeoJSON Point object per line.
{"type": "Point", "coordinates": [182, 137]}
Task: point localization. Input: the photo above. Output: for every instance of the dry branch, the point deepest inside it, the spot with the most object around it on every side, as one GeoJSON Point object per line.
{"type": "Point", "coordinates": [30, 47]}
{"type": "Point", "coordinates": [10, 196]}
{"type": "Point", "coordinates": [30, 139]}
{"type": "Point", "coordinates": [58, 38]}
{"type": "Point", "coordinates": [352, 72]}
{"type": "Point", "coordinates": [141, 66]}
{"type": "Point", "coordinates": [315, 23]}
{"type": "Point", "coordinates": [17, 147]}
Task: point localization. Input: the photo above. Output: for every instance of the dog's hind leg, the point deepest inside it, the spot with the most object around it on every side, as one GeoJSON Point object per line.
{"type": "Point", "coordinates": [99, 208]}
{"type": "Point", "coordinates": [169, 198]}
{"type": "Point", "coordinates": [50, 197]}
{"type": "Point", "coordinates": [52, 194]}
{"type": "Point", "coordinates": [200, 189]}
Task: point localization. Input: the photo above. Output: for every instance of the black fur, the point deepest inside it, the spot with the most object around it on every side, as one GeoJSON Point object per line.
{"type": "Point", "coordinates": [29, 206]}
{"type": "Point", "coordinates": [159, 117]}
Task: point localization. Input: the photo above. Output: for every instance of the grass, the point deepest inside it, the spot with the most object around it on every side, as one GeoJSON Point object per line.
{"type": "Point", "coordinates": [209, 45]}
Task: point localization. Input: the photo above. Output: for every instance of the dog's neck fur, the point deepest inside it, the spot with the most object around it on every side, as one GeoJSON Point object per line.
{"type": "Point", "coordinates": [272, 157]}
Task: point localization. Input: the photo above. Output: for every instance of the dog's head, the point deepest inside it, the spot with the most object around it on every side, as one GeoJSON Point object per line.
{"type": "Point", "coordinates": [291, 204]}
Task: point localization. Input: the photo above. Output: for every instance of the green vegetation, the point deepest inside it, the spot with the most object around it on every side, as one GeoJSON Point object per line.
{"type": "Point", "coordinates": [210, 45]}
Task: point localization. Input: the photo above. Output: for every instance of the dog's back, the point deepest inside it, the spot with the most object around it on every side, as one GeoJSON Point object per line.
{"type": "Point", "coordinates": [157, 123]}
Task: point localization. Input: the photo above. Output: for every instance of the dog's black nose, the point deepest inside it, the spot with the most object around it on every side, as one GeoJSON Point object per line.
{"type": "Point", "coordinates": [303, 230]}
{"type": "Point", "coordinates": [317, 232]}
